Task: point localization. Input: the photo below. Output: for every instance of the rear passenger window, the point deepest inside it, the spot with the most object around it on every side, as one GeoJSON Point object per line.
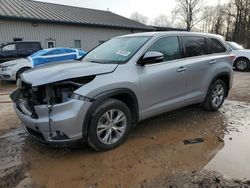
{"type": "Point", "coordinates": [169, 46]}
{"type": "Point", "coordinates": [195, 46]}
{"type": "Point", "coordinates": [215, 46]}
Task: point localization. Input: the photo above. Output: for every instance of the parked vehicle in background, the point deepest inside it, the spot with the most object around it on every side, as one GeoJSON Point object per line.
{"type": "Point", "coordinates": [242, 61]}
{"type": "Point", "coordinates": [121, 82]}
{"type": "Point", "coordinates": [11, 70]}
{"type": "Point", "coordinates": [16, 50]}
{"type": "Point", "coordinates": [54, 55]}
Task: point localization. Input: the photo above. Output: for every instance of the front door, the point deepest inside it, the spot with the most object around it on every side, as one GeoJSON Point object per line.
{"type": "Point", "coordinates": [163, 85]}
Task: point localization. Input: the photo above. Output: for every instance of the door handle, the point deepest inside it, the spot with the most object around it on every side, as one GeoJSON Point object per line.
{"type": "Point", "coordinates": [181, 69]}
{"type": "Point", "coordinates": [213, 62]}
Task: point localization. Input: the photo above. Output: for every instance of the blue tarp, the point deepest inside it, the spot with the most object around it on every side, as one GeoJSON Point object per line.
{"type": "Point", "coordinates": [55, 55]}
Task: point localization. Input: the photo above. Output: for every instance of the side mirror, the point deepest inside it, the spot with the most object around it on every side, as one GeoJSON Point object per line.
{"type": "Point", "coordinates": [151, 57]}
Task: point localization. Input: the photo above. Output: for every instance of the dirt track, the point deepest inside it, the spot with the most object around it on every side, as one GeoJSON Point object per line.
{"type": "Point", "coordinates": [153, 156]}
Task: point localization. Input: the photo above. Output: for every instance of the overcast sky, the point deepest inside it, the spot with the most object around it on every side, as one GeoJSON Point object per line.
{"type": "Point", "coordinates": [148, 8]}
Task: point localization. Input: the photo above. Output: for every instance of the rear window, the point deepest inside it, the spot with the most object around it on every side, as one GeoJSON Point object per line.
{"type": "Point", "coordinates": [194, 46]}
{"type": "Point", "coordinates": [29, 45]}
{"type": "Point", "coordinates": [215, 46]}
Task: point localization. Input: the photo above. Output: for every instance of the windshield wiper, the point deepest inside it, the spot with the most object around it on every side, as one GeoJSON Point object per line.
{"type": "Point", "coordinates": [93, 61]}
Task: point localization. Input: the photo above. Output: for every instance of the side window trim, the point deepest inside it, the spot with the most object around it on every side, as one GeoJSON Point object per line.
{"type": "Point", "coordinates": [209, 46]}
{"type": "Point", "coordinates": [167, 61]}
{"type": "Point", "coordinates": [194, 36]}
{"type": "Point", "coordinates": [181, 47]}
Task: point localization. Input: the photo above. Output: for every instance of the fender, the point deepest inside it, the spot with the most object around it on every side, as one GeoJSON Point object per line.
{"type": "Point", "coordinates": [21, 69]}
{"type": "Point", "coordinates": [98, 99]}
{"type": "Point", "coordinates": [219, 75]}
{"type": "Point", "coordinates": [243, 57]}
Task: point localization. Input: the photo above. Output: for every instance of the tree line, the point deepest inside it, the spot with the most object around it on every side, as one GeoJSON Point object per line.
{"type": "Point", "coordinates": [232, 20]}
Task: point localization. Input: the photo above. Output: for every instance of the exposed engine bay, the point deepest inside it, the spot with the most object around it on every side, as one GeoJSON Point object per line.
{"type": "Point", "coordinates": [27, 96]}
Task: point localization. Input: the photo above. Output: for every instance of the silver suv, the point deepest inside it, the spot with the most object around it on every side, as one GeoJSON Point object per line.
{"type": "Point", "coordinates": [121, 82]}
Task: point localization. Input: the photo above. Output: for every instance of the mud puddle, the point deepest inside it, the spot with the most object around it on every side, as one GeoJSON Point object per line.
{"type": "Point", "coordinates": [154, 149]}
{"type": "Point", "coordinates": [233, 159]}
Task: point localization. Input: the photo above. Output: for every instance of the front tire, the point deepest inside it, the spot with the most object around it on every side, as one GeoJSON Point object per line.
{"type": "Point", "coordinates": [215, 96]}
{"type": "Point", "coordinates": [109, 125]}
{"type": "Point", "coordinates": [242, 64]}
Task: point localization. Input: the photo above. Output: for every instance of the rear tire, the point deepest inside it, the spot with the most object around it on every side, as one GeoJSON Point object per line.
{"type": "Point", "coordinates": [215, 96]}
{"type": "Point", "coordinates": [110, 125]}
{"type": "Point", "coordinates": [242, 64]}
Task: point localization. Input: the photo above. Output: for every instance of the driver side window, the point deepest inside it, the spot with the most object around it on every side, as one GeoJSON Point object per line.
{"type": "Point", "coordinates": [168, 46]}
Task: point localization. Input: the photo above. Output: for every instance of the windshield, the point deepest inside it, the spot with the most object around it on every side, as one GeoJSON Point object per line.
{"type": "Point", "coordinates": [117, 50]}
{"type": "Point", "coordinates": [235, 46]}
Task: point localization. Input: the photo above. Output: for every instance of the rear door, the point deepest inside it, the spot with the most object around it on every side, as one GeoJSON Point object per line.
{"type": "Point", "coordinates": [200, 60]}
{"type": "Point", "coordinates": [163, 84]}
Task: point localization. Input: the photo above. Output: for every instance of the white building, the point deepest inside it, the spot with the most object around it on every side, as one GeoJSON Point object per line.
{"type": "Point", "coordinates": [61, 26]}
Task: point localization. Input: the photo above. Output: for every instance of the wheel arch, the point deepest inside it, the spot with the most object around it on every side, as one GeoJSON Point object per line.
{"type": "Point", "coordinates": [240, 57]}
{"type": "Point", "coordinates": [226, 77]}
{"type": "Point", "coordinates": [20, 70]}
{"type": "Point", "coordinates": [123, 94]}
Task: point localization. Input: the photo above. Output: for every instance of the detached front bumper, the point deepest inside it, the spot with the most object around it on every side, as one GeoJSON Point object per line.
{"type": "Point", "coordinates": [62, 124]}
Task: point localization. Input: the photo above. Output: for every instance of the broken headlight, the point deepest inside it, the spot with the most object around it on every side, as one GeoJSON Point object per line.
{"type": "Point", "coordinates": [81, 98]}
{"type": "Point", "coordinates": [54, 93]}
{"type": "Point", "coordinates": [63, 91]}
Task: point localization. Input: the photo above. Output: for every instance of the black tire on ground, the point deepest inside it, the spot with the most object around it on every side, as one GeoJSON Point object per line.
{"type": "Point", "coordinates": [106, 106]}
{"type": "Point", "coordinates": [242, 64]}
{"type": "Point", "coordinates": [208, 102]}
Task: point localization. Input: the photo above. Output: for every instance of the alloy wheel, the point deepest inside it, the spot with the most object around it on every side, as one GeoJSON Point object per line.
{"type": "Point", "coordinates": [218, 95]}
{"type": "Point", "coordinates": [111, 126]}
{"type": "Point", "coordinates": [241, 65]}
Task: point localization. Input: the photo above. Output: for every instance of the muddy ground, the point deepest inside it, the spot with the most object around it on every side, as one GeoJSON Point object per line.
{"type": "Point", "coordinates": [153, 156]}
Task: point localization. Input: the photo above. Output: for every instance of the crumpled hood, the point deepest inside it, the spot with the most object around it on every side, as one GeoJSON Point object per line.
{"type": "Point", "coordinates": [63, 71]}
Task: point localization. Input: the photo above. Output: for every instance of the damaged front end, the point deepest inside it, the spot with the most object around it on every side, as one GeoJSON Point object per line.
{"type": "Point", "coordinates": [48, 110]}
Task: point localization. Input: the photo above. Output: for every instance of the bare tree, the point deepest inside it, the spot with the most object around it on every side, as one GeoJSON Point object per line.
{"type": "Point", "coordinates": [241, 28]}
{"type": "Point", "coordinates": [231, 20]}
{"type": "Point", "coordinates": [219, 20]}
{"type": "Point", "coordinates": [188, 11]}
{"type": "Point", "coordinates": [229, 12]}
{"type": "Point", "coordinates": [139, 18]}
{"type": "Point", "coordinates": [162, 21]}
{"type": "Point", "coordinates": [173, 17]}
{"type": "Point", "coordinates": [208, 17]}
